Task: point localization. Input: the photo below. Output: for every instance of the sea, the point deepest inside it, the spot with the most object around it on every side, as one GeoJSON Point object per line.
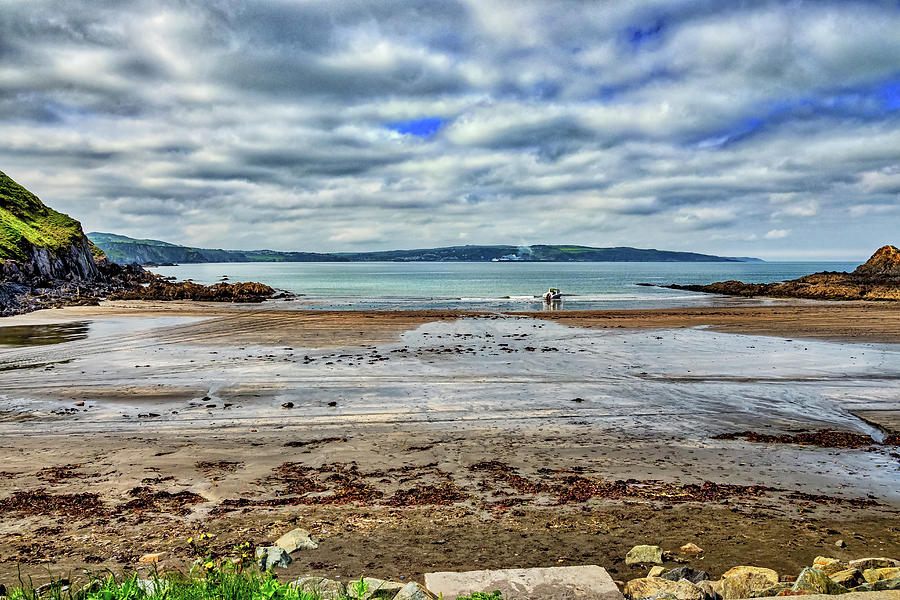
{"type": "Point", "coordinates": [501, 286]}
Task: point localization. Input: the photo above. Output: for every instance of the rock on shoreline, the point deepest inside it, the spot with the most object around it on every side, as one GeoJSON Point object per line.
{"type": "Point", "coordinates": [877, 279]}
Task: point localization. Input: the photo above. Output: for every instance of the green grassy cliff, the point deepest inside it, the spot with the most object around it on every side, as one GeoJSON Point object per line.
{"type": "Point", "coordinates": [25, 222]}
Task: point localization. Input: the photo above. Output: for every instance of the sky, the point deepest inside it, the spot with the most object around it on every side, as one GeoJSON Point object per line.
{"type": "Point", "coordinates": [768, 129]}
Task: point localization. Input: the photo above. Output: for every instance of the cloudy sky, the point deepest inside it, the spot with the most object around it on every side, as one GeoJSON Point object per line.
{"type": "Point", "coordinates": [769, 129]}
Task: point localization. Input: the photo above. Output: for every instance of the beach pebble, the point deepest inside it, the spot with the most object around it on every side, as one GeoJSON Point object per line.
{"type": "Point", "coordinates": [151, 558]}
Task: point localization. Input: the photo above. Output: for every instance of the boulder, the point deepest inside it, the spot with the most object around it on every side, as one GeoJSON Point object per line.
{"type": "Point", "coordinates": [817, 582]}
{"type": "Point", "coordinates": [662, 589]}
{"type": "Point", "coordinates": [775, 590]}
{"type": "Point", "coordinates": [269, 557]}
{"type": "Point", "coordinates": [848, 578]}
{"type": "Point", "coordinates": [744, 581]}
{"type": "Point", "coordinates": [710, 590]}
{"type": "Point", "coordinates": [648, 555]}
{"type": "Point", "coordinates": [828, 565]}
{"type": "Point", "coordinates": [414, 591]}
{"type": "Point", "coordinates": [656, 571]}
{"type": "Point", "coordinates": [768, 574]}
{"type": "Point", "coordinates": [691, 548]}
{"type": "Point", "coordinates": [887, 585]}
{"type": "Point", "coordinates": [685, 590]}
{"type": "Point", "coordinates": [873, 575]}
{"type": "Point", "coordinates": [645, 587]}
{"type": "Point", "coordinates": [692, 575]}
{"type": "Point", "coordinates": [864, 564]}
{"type": "Point", "coordinates": [373, 587]}
{"type": "Point", "coordinates": [297, 539]}
{"type": "Point", "coordinates": [324, 589]}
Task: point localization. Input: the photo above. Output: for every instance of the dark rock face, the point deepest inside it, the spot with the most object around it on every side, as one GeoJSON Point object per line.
{"type": "Point", "coordinates": [877, 279]}
{"type": "Point", "coordinates": [68, 277]}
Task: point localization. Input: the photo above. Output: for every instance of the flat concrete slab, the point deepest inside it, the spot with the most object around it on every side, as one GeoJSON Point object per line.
{"type": "Point", "coordinates": [887, 595]}
{"type": "Point", "coordinates": [588, 582]}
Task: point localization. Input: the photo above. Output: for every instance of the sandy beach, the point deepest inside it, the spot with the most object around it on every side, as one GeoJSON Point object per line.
{"type": "Point", "coordinates": [413, 441]}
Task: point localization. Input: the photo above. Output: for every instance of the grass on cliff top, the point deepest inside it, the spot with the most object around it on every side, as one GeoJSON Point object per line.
{"type": "Point", "coordinates": [25, 221]}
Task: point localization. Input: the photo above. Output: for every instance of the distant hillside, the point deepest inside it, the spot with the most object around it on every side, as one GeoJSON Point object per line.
{"type": "Point", "coordinates": [126, 250]}
{"type": "Point", "coordinates": [122, 249]}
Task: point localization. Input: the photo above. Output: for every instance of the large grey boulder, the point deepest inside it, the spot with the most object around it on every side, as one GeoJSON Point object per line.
{"type": "Point", "coordinates": [414, 591]}
{"type": "Point", "coordinates": [374, 588]}
{"type": "Point", "coordinates": [325, 589]}
{"type": "Point", "coordinates": [644, 555]}
{"type": "Point", "coordinates": [269, 557]}
{"type": "Point", "coordinates": [297, 539]}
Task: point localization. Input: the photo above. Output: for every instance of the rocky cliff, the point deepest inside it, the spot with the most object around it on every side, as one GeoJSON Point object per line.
{"type": "Point", "coordinates": [46, 260]}
{"type": "Point", "coordinates": [877, 279]}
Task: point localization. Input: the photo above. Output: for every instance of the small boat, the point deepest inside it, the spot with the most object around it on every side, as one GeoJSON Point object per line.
{"type": "Point", "coordinates": [552, 294]}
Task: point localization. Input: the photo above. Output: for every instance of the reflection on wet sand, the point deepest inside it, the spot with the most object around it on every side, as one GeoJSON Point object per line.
{"type": "Point", "coordinates": [43, 335]}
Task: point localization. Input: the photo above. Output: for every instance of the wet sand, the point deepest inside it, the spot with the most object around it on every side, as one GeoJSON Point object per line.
{"type": "Point", "coordinates": [452, 441]}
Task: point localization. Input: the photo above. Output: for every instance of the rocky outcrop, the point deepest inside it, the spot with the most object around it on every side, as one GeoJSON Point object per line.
{"type": "Point", "coordinates": [46, 261]}
{"type": "Point", "coordinates": [884, 263]}
{"type": "Point", "coordinates": [161, 289]}
{"type": "Point", "coordinates": [877, 279]}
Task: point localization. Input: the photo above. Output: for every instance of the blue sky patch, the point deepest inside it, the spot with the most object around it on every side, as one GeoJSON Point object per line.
{"type": "Point", "coordinates": [640, 36]}
{"type": "Point", "coordinates": [418, 127]}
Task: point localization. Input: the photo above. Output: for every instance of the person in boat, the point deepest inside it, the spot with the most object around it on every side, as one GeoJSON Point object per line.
{"type": "Point", "coordinates": [552, 294]}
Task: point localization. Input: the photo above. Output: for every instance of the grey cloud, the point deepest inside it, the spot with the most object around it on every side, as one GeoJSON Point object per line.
{"type": "Point", "coordinates": [566, 121]}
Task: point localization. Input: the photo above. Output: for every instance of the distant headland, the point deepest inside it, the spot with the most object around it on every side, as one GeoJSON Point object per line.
{"type": "Point", "coordinates": [126, 250]}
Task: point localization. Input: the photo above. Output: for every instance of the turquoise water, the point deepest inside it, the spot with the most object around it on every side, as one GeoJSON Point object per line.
{"type": "Point", "coordinates": [494, 286]}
